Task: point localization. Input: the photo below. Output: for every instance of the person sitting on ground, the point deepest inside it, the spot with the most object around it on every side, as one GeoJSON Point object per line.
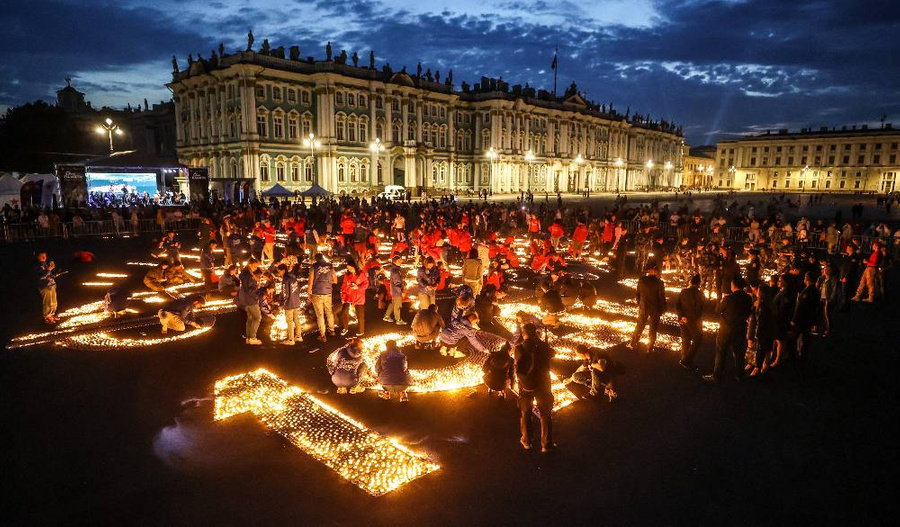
{"type": "Point", "coordinates": [551, 303]}
{"type": "Point", "coordinates": [595, 372]}
{"type": "Point", "coordinates": [230, 283]}
{"type": "Point", "coordinates": [116, 301]}
{"type": "Point", "coordinates": [179, 313]}
{"type": "Point", "coordinates": [465, 302]}
{"type": "Point", "coordinates": [487, 308]}
{"type": "Point", "coordinates": [499, 371]}
{"type": "Point", "coordinates": [393, 372]}
{"type": "Point", "coordinates": [456, 331]}
{"type": "Point", "coordinates": [427, 326]}
{"type": "Point", "coordinates": [176, 275]}
{"type": "Point", "coordinates": [155, 279]}
{"type": "Point", "coordinates": [523, 318]}
{"type": "Point", "coordinates": [347, 367]}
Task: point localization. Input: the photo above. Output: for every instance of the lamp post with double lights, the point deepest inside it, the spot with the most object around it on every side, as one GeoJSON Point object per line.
{"type": "Point", "coordinates": [377, 148]}
{"type": "Point", "coordinates": [649, 174]}
{"type": "Point", "coordinates": [668, 167]}
{"type": "Point", "coordinates": [529, 157]}
{"type": "Point", "coordinates": [619, 164]}
{"type": "Point", "coordinates": [731, 174]}
{"type": "Point", "coordinates": [579, 161]}
{"type": "Point", "coordinates": [109, 127]}
{"type": "Point", "coordinates": [313, 143]}
{"type": "Point", "coordinates": [492, 155]}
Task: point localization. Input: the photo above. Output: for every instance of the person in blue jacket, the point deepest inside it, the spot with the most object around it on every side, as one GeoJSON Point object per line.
{"type": "Point", "coordinates": [393, 372]}
{"type": "Point", "coordinates": [396, 277]}
{"type": "Point", "coordinates": [291, 302]}
{"type": "Point", "coordinates": [347, 367]}
{"type": "Point", "coordinates": [208, 262]}
{"type": "Point", "coordinates": [248, 298]}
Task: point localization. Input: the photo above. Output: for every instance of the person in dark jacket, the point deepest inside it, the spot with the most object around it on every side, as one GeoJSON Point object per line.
{"type": "Point", "coordinates": [805, 313]}
{"type": "Point", "coordinates": [533, 378]}
{"type": "Point", "coordinates": [427, 278]}
{"type": "Point", "coordinates": [393, 372]}
{"type": "Point", "coordinates": [848, 272]}
{"type": "Point", "coordinates": [208, 262]}
{"type": "Point", "coordinates": [783, 307]}
{"type": "Point", "coordinates": [248, 300]}
{"type": "Point", "coordinates": [499, 371]}
{"type": "Point", "coordinates": [762, 326]}
{"type": "Point", "coordinates": [651, 298]}
{"type": "Point", "coordinates": [179, 313]}
{"type": "Point", "coordinates": [291, 303]}
{"type": "Point", "coordinates": [734, 311]}
{"type": "Point", "coordinates": [427, 326]}
{"type": "Point", "coordinates": [115, 301]}
{"type": "Point", "coordinates": [396, 277]}
{"type": "Point", "coordinates": [229, 283]}
{"type": "Point", "coordinates": [347, 367]}
{"type": "Point", "coordinates": [690, 317]}
{"type": "Point", "coordinates": [595, 372]}
{"type": "Point", "coordinates": [728, 269]}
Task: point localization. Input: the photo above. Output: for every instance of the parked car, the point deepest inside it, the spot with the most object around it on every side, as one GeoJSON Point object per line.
{"type": "Point", "coordinates": [393, 192]}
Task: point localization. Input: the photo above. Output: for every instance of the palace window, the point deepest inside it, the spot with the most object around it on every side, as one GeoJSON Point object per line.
{"type": "Point", "coordinates": [860, 160]}
{"type": "Point", "coordinates": [295, 173]}
{"type": "Point", "coordinates": [276, 94]}
{"type": "Point", "coordinates": [339, 98]}
{"type": "Point", "coordinates": [362, 101]}
{"type": "Point", "coordinates": [342, 172]}
{"type": "Point", "coordinates": [279, 126]}
{"type": "Point", "coordinates": [279, 171]}
{"type": "Point", "coordinates": [379, 130]}
{"type": "Point", "coordinates": [351, 130]}
{"type": "Point", "coordinates": [379, 102]}
{"type": "Point", "coordinates": [411, 133]}
{"type": "Point", "coordinates": [304, 97]}
{"type": "Point", "coordinates": [395, 105]}
{"type": "Point", "coordinates": [364, 172]}
{"type": "Point", "coordinates": [308, 170]}
{"type": "Point", "coordinates": [380, 173]}
{"type": "Point", "coordinates": [260, 92]}
{"type": "Point", "coordinates": [353, 173]}
{"type": "Point", "coordinates": [364, 130]}
{"type": "Point", "coordinates": [396, 134]}
{"type": "Point", "coordinates": [261, 125]}
{"type": "Point", "coordinates": [292, 96]}
{"type": "Point", "coordinates": [339, 128]}
{"type": "Point", "coordinates": [307, 126]}
{"type": "Point", "coordinates": [264, 171]}
{"type": "Point", "coordinates": [351, 99]}
{"type": "Point", "coordinates": [292, 128]}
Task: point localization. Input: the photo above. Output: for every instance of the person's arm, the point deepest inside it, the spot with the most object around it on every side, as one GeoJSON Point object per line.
{"type": "Point", "coordinates": [309, 288]}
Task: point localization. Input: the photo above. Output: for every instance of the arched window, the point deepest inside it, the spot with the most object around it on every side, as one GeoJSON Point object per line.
{"type": "Point", "coordinates": [339, 98]}
{"type": "Point", "coordinates": [261, 128]}
{"type": "Point", "coordinates": [379, 102]}
{"type": "Point", "coordinates": [396, 135]}
{"type": "Point", "coordinates": [308, 170]}
{"type": "Point", "coordinates": [362, 101]}
{"type": "Point", "coordinates": [459, 140]}
{"type": "Point", "coordinates": [364, 172]}
{"type": "Point", "coordinates": [264, 171]}
{"type": "Point", "coordinates": [363, 129]}
{"type": "Point", "coordinates": [379, 131]}
{"type": "Point", "coordinates": [351, 99]}
{"type": "Point", "coordinates": [380, 173]}
{"type": "Point", "coordinates": [278, 121]}
{"type": "Point", "coordinates": [485, 139]}
{"type": "Point", "coordinates": [411, 135]}
{"type": "Point", "coordinates": [442, 137]}
{"type": "Point", "coordinates": [342, 171]}
{"type": "Point", "coordinates": [340, 125]}
{"type": "Point", "coordinates": [351, 129]}
{"type": "Point", "coordinates": [279, 171]}
{"type": "Point", "coordinates": [292, 127]}
{"type": "Point", "coordinates": [307, 124]}
{"type": "Point", "coordinates": [354, 172]}
{"type": "Point", "coordinates": [295, 173]}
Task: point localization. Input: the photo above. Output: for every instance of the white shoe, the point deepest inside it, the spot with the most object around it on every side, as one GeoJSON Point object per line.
{"type": "Point", "coordinates": [287, 342]}
{"type": "Point", "coordinates": [254, 342]}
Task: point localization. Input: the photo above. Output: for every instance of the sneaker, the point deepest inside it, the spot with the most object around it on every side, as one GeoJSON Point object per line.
{"type": "Point", "coordinates": [593, 393]}
{"type": "Point", "coordinates": [386, 395]}
{"type": "Point", "coordinates": [548, 448]}
{"type": "Point", "coordinates": [357, 389]}
{"type": "Point", "coordinates": [402, 323]}
{"type": "Point", "coordinates": [322, 338]}
{"type": "Point", "coordinates": [456, 354]}
{"type": "Point", "coordinates": [710, 379]}
{"type": "Point", "coordinates": [526, 445]}
{"type": "Point", "coordinates": [404, 398]}
{"type": "Point", "coordinates": [254, 342]}
{"type": "Point", "coordinates": [164, 330]}
{"type": "Point", "coordinates": [288, 342]}
{"type": "Point", "coordinates": [388, 319]}
{"type": "Point", "coordinates": [342, 390]}
{"type": "Point", "coordinates": [443, 350]}
{"type": "Point", "coordinates": [330, 332]}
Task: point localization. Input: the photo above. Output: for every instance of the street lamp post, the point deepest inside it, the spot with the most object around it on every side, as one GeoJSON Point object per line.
{"type": "Point", "coordinates": [579, 161]}
{"type": "Point", "coordinates": [649, 174]}
{"type": "Point", "coordinates": [619, 164]}
{"type": "Point", "coordinates": [109, 127]}
{"type": "Point", "coordinates": [529, 157]}
{"type": "Point", "coordinates": [313, 143]}
{"type": "Point", "coordinates": [668, 167]}
{"type": "Point", "coordinates": [377, 148]}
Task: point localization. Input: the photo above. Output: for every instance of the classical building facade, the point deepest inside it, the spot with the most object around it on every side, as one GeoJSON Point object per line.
{"type": "Point", "coordinates": [250, 115]}
{"type": "Point", "coordinates": [849, 159]}
{"type": "Point", "coordinates": [699, 166]}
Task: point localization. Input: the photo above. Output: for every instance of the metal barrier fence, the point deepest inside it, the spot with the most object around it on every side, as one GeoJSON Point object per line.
{"type": "Point", "coordinates": [24, 232]}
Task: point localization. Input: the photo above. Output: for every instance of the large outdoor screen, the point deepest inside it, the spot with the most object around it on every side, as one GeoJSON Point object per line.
{"type": "Point", "coordinates": [135, 182]}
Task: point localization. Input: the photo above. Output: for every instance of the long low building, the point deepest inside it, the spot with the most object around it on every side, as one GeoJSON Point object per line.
{"type": "Point", "coordinates": [260, 118]}
{"type": "Point", "coordinates": [849, 159]}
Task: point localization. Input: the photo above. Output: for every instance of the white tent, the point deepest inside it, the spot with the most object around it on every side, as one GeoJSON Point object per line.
{"type": "Point", "coordinates": [10, 189]}
{"type": "Point", "coordinates": [50, 187]}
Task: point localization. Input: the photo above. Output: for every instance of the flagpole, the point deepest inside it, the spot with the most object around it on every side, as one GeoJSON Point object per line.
{"type": "Point", "coordinates": [555, 70]}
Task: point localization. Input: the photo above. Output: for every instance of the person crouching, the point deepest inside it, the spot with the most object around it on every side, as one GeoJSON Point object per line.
{"type": "Point", "coordinates": [179, 313]}
{"type": "Point", "coordinates": [393, 372]}
{"type": "Point", "coordinates": [347, 367]}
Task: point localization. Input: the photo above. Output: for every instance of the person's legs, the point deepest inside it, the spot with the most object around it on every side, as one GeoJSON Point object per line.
{"type": "Point", "coordinates": [424, 301]}
{"type": "Point", "coordinates": [739, 351]}
{"type": "Point", "coordinates": [691, 338]}
{"type": "Point", "coordinates": [804, 339]}
{"type": "Point", "coordinates": [722, 343]}
{"type": "Point", "coordinates": [289, 315]}
{"type": "Point", "coordinates": [345, 316]}
{"type": "Point", "coordinates": [526, 426]}
{"type": "Point", "coordinates": [319, 307]}
{"type": "Point", "coordinates": [254, 317]}
{"type": "Point", "coordinates": [48, 295]}
{"type": "Point", "coordinates": [544, 401]}
{"type": "Point", "coordinates": [654, 326]}
{"type": "Point", "coordinates": [329, 312]}
{"type": "Point", "coordinates": [397, 304]}
{"type": "Point", "coordinates": [639, 327]}
{"type": "Point", "coordinates": [360, 310]}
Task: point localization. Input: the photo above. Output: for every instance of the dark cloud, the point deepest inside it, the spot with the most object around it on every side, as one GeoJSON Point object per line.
{"type": "Point", "coordinates": [717, 66]}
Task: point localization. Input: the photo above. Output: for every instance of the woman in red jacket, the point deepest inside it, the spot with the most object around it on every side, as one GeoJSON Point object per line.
{"type": "Point", "coordinates": [353, 293]}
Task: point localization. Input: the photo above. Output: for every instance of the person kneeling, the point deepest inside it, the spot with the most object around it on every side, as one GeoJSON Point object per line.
{"type": "Point", "coordinates": [392, 371]}
{"type": "Point", "coordinates": [499, 371]}
{"type": "Point", "coordinates": [595, 372]}
{"type": "Point", "coordinates": [456, 331]}
{"type": "Point", "coordinates": [347, 367]}
{"type": "Point", "coordinates": [427, 326]}
{"type": "Point", "coordinates": [179, 313]}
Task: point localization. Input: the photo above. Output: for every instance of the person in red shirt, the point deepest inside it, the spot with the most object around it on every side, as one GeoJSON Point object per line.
{"type": "Point", "coordinates": [353, 294]}
{"type": "Point", "coordinates": [348, 226]}
{"type": "Point", "coordinates": [267, 233]}
{"type": "Point", "coordinates": [534, 225]}
{"type": "Point", "coordinates": [556, 232]}
{"type": "Point", "coordinates": [578, 238]}
{"type": "Point", "coordinates": [867, 280]}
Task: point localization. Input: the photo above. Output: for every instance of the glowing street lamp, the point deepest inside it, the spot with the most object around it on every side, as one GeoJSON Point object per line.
{"type": "Point", "coordinates": [377, 148]}
{"type": "Point", "coordinates": [668, 167]}
{"type": "Point", "coordinates": [619, 164]}
{"type": "Point", "coordinates": [649, 171]}
{"type": "Point", "coordinates": [109, 127]}
{"type": "Point", "coordinates": [529, 157]}
{"type": "Point", "coordinates": [313, 143]}
{"type": "Point", "coordinates": [492, 155]}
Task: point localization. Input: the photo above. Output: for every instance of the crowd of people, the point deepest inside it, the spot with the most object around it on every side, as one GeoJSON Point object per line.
{"type": "Point", "coordinates": [771, 282]}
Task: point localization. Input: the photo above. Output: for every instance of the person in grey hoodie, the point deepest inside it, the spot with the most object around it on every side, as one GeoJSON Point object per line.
{"type": "Point", "coordinates": [393, 372]}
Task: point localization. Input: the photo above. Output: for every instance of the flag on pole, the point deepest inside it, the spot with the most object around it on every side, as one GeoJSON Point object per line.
{"type": "Point", "coordinates": [553, 64]}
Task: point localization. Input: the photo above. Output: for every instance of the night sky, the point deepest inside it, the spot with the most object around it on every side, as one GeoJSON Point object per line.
{"type": "Point", "coordinates": [718, 67]}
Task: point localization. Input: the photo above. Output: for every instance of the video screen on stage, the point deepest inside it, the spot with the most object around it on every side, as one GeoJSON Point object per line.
{"type": "Point", "coordinates": [117, 183]}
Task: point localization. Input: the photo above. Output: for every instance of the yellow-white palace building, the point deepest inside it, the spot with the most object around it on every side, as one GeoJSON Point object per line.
{"type": "Point", "coordinates": [264, 118]}
{"type": "Point", "coordinates": [849, 159]}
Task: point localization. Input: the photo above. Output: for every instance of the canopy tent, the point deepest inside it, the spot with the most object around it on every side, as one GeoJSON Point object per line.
{"type": "Point", "coordinates": [315, 190]}
{"type": "Point", "coordinates": [49, 185]}
{"type": "Point", "coordinates": [10, 190]}
{"type": "Point", "coordinates": [277, 191]}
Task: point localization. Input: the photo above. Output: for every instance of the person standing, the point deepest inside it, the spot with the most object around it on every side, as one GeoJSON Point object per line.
{"type": "Point", "coordinates": [322, 279]}
{"type": "Point", "coordinates": [248, 297]}
{"type": "Point", "coordinates": [829, 294]}
{"type": "Point", "coordinates": [805, 312]}
{"type": "Point", "coordinates": [353, 294]}
{"type": "Point", "coordinates": [473, 272]}
{"type": "Point", "coordinates": [734, 311]}
{"type": "Point", "coordinates": [533, 375]}
{"type": "Point", "coordinates": [46, 282]}
{"type": "Point", "coordinates": [427, 278]}
{"type": "Point", "coordinates": [170, 245]}
{"type": "Point", "coordinates": [651, 298]}
{"type": "Point", "coordinates": [291, 303]}
{"type": "Point", "coordinates": [762, 325]}
{"type": "Point", "coordinates": [868, 278]}
{"type": "Point", "coordinates": [208, 263]}
{"type": "Point", "coordinates": [267, 233]}
{"type": "Point", "coordinates": [690, 316]}
{"type": "Point", "coordinates": [396, 279]}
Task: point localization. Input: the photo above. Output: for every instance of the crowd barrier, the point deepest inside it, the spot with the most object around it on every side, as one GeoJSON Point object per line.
{"type": "Point", "coordinates": [24, 232]}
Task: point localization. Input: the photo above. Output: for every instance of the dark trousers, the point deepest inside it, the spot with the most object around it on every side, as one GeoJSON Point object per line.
{"type": "Point", "coordinates": [207, 278]}
{"type": "Point", "coordinates": [804, 340]}
{"type": "Point", "coordinates": [544, 400]}
{"type": "Point", "coordinates": [360, 316]}
{"type": "Point", "coordinates": [642, 319]}
{"type": "Point", "coordinates": [733, 340]}
{"type": "Point", "coordinates": [691, 338]}
{"type": "Point", "coordinates": [764, 346]}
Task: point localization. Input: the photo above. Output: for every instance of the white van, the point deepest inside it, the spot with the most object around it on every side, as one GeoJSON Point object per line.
{"type": "Point", "coordinates": [393, 192]}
